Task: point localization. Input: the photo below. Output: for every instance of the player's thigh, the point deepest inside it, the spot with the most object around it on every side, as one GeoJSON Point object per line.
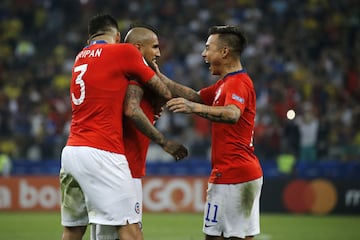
{"type": "Point", "coordinates": [73, 206]}
{"type": "Point", "coordinates": [139, 195]}
{"type": "Point", "coordinates": [232, 209]}
{"type": "Point", "coordinates": [241, 209]}
{"type": "Point", "coordinates": [107, 184]}
{"type": "Point", "coordinates": [105, 232]}
{"type": "Point", "coordinates": [213, 211]}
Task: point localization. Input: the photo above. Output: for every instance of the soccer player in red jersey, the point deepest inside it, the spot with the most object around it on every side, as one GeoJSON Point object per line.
{"type": "Point", "coordinates": [143, 106]}
{"type": "Point", "coordinates": [96, 182]}
{"type": "Point", "coordinates": [140, 108]}
{"type": "Point", "coordinates": [235, 182]}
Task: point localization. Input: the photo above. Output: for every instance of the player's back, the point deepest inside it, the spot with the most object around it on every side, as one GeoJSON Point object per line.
{"type": "Point", "coordinates": [98, 86]}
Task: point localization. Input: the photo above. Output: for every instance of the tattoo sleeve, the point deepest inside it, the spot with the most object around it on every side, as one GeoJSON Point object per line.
{"type": "Point", "coordinates": [224, 114]}
{"type": "Point", "coordinates": [178, 90]}
{"type": "Point", "coordinates": [133, 111]}
{"type": "Point", "coordinates": [159, 87]}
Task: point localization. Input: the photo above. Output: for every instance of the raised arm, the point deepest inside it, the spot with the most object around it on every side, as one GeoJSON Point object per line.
{"type": "Point", "coordinates": [176, 89]}
{"type": "Point", "coordinates": [158, 86]}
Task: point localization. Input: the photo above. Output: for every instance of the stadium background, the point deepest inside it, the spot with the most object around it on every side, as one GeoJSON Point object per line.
{"type": "Point", "coordinates": [302, 56]}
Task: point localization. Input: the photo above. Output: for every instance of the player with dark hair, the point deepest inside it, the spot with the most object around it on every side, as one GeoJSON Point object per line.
{"type": "Point", "coordinates": [96, 183]}
{"type": "Point", "coordinates": [235, 182]}
{"type": "Point", "coordinates": [141, 107]}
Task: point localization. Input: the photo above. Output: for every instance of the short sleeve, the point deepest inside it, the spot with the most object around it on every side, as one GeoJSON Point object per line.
{"type": "Point", "coordinates": [135, 65]}
{"type": "Point", "coordinates": [208, 94]}
{"type": "Point", "coordinates": [236, 93]}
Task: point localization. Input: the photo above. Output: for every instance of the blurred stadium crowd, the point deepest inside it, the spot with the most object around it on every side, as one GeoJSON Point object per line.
{"type": "Point", "coordinates": [302, 56]}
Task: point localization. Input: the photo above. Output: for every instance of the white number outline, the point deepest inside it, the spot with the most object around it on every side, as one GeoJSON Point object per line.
{"type": "Point", "coordinates": [79, 80]}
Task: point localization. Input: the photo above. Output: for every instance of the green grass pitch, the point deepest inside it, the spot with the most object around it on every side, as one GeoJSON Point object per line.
{"type": "Point", "coordinates": [182, 226]}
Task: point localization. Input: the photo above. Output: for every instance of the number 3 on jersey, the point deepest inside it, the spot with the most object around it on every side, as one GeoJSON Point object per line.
{"type": "Point", "coordinates": [79, 80]}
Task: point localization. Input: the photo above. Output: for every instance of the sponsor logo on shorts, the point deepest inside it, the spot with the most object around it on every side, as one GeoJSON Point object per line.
{"type": "Point", "coordinates": [209, 225]}
{"type": "Point", "coordinates": [137, 207]}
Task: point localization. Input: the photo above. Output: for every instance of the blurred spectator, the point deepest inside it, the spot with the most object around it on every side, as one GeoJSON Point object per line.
{"type": "Point", "coordinates": [5, 165]}
{"type": "Point", "coordinates": [285, 163]}
{"type": "Point", "coordinates": [308, 125]}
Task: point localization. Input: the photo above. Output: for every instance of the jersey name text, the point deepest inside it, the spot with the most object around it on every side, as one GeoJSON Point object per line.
{"type": "Point", "coordinates": [89, 53]}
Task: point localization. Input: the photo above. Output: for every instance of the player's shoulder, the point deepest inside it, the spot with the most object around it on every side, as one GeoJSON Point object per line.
{"type": "Point", "coordinates": [242, 75]}
{"type": "Point", "coordinates": [125, 46]}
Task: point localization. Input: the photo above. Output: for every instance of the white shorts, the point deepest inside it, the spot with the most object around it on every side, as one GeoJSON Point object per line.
{"type": "Point", "coordinates": [96, 187]}
{"type": "Point", "coordinates": [106, 232]}
{"type": "Point", "coordinates": [233, 209]}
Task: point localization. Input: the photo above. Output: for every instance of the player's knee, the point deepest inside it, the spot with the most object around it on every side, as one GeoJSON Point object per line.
{"type": "Point", "coordinates": [130, 232]}
{"type": "Point", "coordinates": [73, 233]}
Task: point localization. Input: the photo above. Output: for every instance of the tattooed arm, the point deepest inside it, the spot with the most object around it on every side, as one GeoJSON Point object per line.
{"type": "Point", "coordinates": [189, 101]}
{"type": "Point", "coordinates": [224, 114]}
{"type": "Point", "coordinates": [158, 86]}
{"type": "Point", "coordinates": [178, 90]}
{"type": "Point", "coordinates": [133, 111]}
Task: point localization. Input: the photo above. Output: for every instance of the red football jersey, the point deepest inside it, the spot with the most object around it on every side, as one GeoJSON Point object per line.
{"type": "Point", "coordinates": [97, 90]}
{"type": "Point", "coordinates": [136, 143]}
{"type": "Point", "coordinates": [232, 157]}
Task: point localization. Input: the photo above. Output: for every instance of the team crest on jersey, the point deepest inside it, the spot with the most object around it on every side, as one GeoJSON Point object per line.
{"type": "Point", "coordinates": [238, 98]}
{"type": "Point", "coordinates": [137, 207]}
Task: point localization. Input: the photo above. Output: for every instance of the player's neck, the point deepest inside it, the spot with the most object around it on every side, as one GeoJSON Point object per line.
{"type": "Point", "coordinates": [230, 68]}
{"type": "Point", "coordinates": [102, 39]}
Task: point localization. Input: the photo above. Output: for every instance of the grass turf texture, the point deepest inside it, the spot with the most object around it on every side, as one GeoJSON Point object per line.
{"type": "Point", "coordinates": [181, 226]}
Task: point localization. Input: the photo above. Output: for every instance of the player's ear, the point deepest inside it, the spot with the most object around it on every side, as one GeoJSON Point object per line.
{"type": "Point", "coordinates": [118, 37]}
{"type": "Point", "coordinates": [225, 51]}
{"type": "Point", "coordinates": [138, 45]}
